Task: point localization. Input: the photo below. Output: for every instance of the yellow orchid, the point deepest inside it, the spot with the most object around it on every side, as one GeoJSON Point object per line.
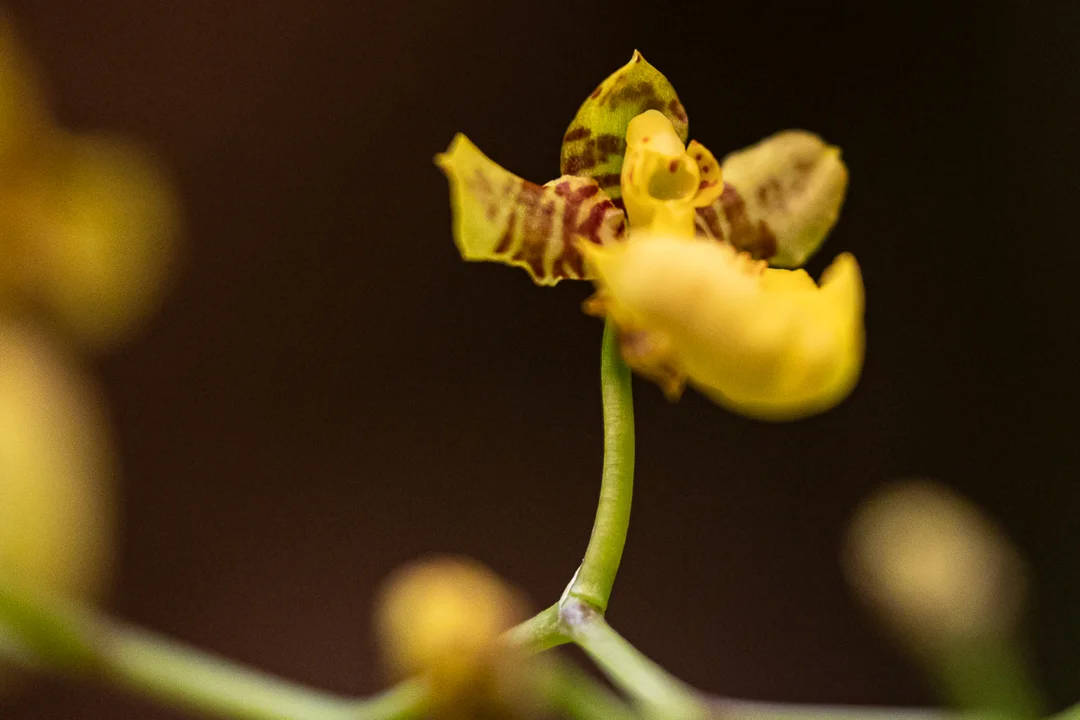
{"type": "Point", "coordinates": [686, 280]}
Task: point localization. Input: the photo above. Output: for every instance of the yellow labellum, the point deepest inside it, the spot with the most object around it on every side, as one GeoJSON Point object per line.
{"type": "Point", "coordinates": [769, 344]}
{"type": "Point", "coordinates": [663, 182]}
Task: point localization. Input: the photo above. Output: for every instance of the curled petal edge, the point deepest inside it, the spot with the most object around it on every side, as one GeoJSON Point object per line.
{"type": "Point", "coordinates": [765, 343]}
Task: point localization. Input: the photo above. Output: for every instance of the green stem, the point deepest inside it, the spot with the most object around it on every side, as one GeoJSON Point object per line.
{"type": "Point", "coordinates": [541, 632]}
{"type": "Point", "coordinates": [43, 635]}
{"type": "Point", "coordinates": [185, 677]}
{"type": "Point", "coordinates": [596, 576]}
{"type": "Point", "coordinates": [571, 692]}
{"type": "Point", "coordinates": [987, 676]}
{"type": "Point", "coordinates": [754, 710]}
{"type": "Point", "coordinates": [660, 694]}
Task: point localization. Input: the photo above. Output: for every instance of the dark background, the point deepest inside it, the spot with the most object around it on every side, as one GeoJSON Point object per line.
{"type": "Point", "coordinates": [329, 391]}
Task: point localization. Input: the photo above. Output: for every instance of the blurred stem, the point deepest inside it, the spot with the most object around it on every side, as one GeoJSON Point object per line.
{"type": "Point", "coordinates": [596, 576]}
{"type": "Point", "coordinates": [731, 709]}
{"type": "Point", "coordinates": [988, 676]}
{"type": "Point", "coordinates": [660, 694]}
{"type": "Point", "coordinates": [185, 677]}
{"type": "Point", "coordinates": [49, 636]}
{"type": "Point", "coordinates": [570, 691]}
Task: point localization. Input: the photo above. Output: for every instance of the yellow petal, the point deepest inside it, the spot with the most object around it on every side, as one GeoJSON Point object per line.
{"type": "Point", "coordinates": [663, 182]}
{"type": "Point", "coordinates": [595, 142]}
{"type": "Point", "coordinates": [780, 199]}
{"type": "Point", "coordinates": [769, 344]}
{"type": "Point", "coordinates": [498, 216]}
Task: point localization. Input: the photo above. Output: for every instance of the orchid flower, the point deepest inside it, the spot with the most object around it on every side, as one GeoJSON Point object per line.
{"type": "Point", "coordinates": [680, 246]}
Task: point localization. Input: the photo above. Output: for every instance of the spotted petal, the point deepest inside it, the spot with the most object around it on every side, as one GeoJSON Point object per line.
{"type": "Point", "coordinates": [498, 216]}
{"type": "Point", "coordinates": [780, 199]}
{"type": "Point", "coordinates": [595, 142]}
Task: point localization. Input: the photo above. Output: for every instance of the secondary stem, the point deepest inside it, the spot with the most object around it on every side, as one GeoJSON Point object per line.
{"type": "Point", "coordinates": [168, 671]}
{"type": "Point", "coordinates": [540, 632]}
{"type": "Point", "coordinates": [755, 710]}
{"type": "Point", "coordinates": [51, 636]}
{"type": "Point", "coordinates": [580, 696]}
{"type": "Point", "coordinates": [661, 694]}
{"type": "Point", "coordinates": [596, 575]}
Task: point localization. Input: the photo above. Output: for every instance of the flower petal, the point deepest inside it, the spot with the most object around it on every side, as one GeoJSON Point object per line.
{"type": "Point", "coordinates": [595, 142]}
{"type": "Point", "coordinates": [780, 198]}
{"type": "Point", "coordinates": [498, 216]}
{"type": "Point", "coordinates": [769, 344]}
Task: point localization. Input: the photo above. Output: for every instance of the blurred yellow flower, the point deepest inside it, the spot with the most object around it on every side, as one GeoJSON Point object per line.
{"type": "Point", "coordinates": [88, 225]}
{"type": "Point", "coordinates": [56, 469]}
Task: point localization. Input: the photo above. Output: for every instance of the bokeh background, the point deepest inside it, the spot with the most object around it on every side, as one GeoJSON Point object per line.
{"type": "Point", "coordinates": [329, 391]}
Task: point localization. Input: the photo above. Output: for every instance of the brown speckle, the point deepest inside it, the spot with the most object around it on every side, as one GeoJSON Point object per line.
{"type": "Point", "coordinates": [507, 239]}
{"type": "Point", "coordinates": [676, 109]}
{"type": "Point", "coordinates": [576, 164]}
{"type": "Point", "coordinates": [610, 144]}
{"type": "Point", "coordinates": [608, 180]}
{"type": "Point", "coordinates": [673, 166]}
{"type": "Point", "coordinates": [766, 245]}
{"type": "Point", "coordinates": [578, 133]}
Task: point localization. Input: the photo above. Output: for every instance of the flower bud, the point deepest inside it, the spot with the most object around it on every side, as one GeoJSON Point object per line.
{"type": "Point", "coordinates": [933, 566]}
{"type": "Point", "coordinates": [442, 619]}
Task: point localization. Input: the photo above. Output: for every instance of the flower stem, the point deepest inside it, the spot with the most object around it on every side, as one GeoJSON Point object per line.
{"type": "Point", "coordinates": [757, 710]}
{"type": "Point", "coordinates": [596, 576]}
{"type": "Point", "coordinates": [185, 677]}
{"type": "Point", "coordinates": [540, 632]}
{"type": "Point", "coordinates": [41, 635]}
{"type": "Point", "coordinates": [570, 691]}
{"type": "Point", "coordinates": [660, 694]}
